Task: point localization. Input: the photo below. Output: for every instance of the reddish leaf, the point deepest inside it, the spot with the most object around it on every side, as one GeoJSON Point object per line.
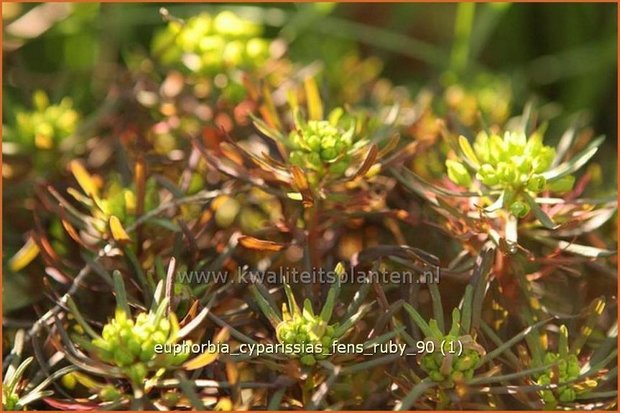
{"type": "Point", "coordinates": [70, 405]}
{"type": "Point", "coordinates": [301, 184]}
{"type": "Point", "coordinates": [371, 156]}
{"type": "Point", "coordinates": [259, 244]}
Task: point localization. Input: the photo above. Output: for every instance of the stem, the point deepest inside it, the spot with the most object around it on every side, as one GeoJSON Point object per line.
{"type": "Point", "coordinates": [511, 229]}
{"type": "Point", "coordinates": [313, 243]}
{"type": "Point", "coordinates": [306, 390]}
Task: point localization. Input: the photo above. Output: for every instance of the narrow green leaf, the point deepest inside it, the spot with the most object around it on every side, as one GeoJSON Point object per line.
{"type": "Point", "coordinates": [563, 342]}
{"type": "Point", "coordinates": [417, 318]}
{"type": "Point", "coordinates": [594, 311]}
{"type": "Point", "coordinates": [266, 129]}
{"type": "Point", "coordinates": [121, 294]}
{"type": "Point", "coordinates": [187, 387]}
{"type": "Point", "coordinates": [19, 372]}
{"type": "Point", "coordinates": [78, 317]}
{"type": "Point", "coordinates": [267, 310]}
{"type": "Point", "coordinates": [576, 162]}
{"type": "Point", "coordinates": [578, 249]}
{"type": "Point", "coordinates": [437, 306]}
{"type": "Point", "coordinates": [31, 397]}
{"type": "Point", "coordinates": [147, 291]}
{"type": "Point", "coordinates": [414, 394]}
{"type": "Point", "coordinates": [328, 308]}
{"type": "Point", "coordinates": [539, 213]}
{"type": "Point", "coordinates": [468, 151]}
{"type": "Point", "coordinates": [508, 344]}
{"type": "Point", "coordinates": [466, 307]}
{"type": "Point", "coordinates": [292, 302]}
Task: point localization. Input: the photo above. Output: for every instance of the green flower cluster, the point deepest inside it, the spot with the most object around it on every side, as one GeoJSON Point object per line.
{"type": "Point", "coordinates": [568, 369]}
{"type": "Point", "coordinates": [47, 125]}
{"type": "Point", "coordinates": [130, 344]}
{"type": "Point", "coordinates": [211, 44]}
{"type": "Point", "coordinates": [452, 357]}
{"type": "Point", "coordinates": [449, 368]}
{"type": "Point", "coordinates": [307, 330]}
{"type": "Point", "coordinates": [321, 147]}
{"type": "Point", "coordinates": [513, 164]}
{"type": "Point", "coordinates": [305, 335]}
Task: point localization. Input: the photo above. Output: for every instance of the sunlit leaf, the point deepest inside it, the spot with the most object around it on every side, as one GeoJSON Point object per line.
{"type": "Point", "coordinates": [576, 162]}
{"type": "Point", "coordinates": [84, 179]}
{"type": "Point", "coordinates": [24, 256]}
{"type": "Point", "coordinates": [300, 181]}
{"type": "Point", "coordinates": [259, 244]}
{"type": "Point", "coordinates": [200, 361]}
{"type": "Point", "coordinates": [578, 249]}
{"type": "Point", "coordinates": [266, 130]}
{"type": "Point", "coordinates": [315, 106]}
{"type": "Point", "coordinates": [539, 213]}
{"type": "Point", "coordinates": [118, 232]}
{"type": "Point", "coordinates": [369, 160]}
{"type": "Point", "coordinates": [468, 151]}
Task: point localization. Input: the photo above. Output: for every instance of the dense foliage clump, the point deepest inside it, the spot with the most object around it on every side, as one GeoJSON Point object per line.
{"type": "Point", "coordinates": [242, 211]}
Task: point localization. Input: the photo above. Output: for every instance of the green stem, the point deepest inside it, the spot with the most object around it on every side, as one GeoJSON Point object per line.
{"type": "Point", "coordinates": [462, 33]}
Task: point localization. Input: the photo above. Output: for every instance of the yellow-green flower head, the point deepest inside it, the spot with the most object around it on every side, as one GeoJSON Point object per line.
{"type": "Point", "coordinates": [567, 370]}
{"type": "Point", "coordinates": [306, 330]}
{"type": "Point", "coordinates": [47, 125]}
{"type": "Point", "coordinates": [448, 369]}
{"type": "Point", "coordinates": [130, 344]}
{"type": "Point", "coordinates": [321, 147]}
{"type": "Point", "coordinates": [212, 44]}
{"type": "Point", "coordinates": [450, 357]}
{"type": "Point", "coordinates": [513, 164]}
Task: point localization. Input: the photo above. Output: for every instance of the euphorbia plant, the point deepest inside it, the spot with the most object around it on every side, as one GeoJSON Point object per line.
{"type": "Point", "coordinates": [455, 355]}
{"type": "Point", "coordinates": [322, 167]}
{"type": "Point", "coordinates": [514, 166]}
{"type": "Point", "coordinates": [213, 50]}
{"type": "Point", "coordinates": [508, 183]}
{"type": "Point", "coordinates": [565, 372]}
{"type": "Point", "coordinates": [127, 346]}
{"type": "Point", "coordinates": [44, 128]}
{"type": "Point", "coordinates": [312, 333]}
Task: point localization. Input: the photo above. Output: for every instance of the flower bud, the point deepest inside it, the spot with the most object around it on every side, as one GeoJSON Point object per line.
{"type": "Point", "coordinates": [536, 183]}
{"type": "Point", "coordinates": [338, 168]}
{"type": "Point", "coordinates": [487, 175]}
{"type": "Point", "coordinates": [458, 173]}
{"type": "Point", "coordinates": [109, 393]}
{"type": "Point", "coordinates": [465, 362]}
{"type": "Point", "coordinates": [543, 160]}
{"type": "Point", "coordinates": [567, 395]}
{"type": "Point", "coordinates": [457, 375]}
{"type": "Point", "coordinates": [329, 154]}
{"type": "Point", "coordinates": [436, 376]}
{"type": "Point", "coordinates": [137, 373]}
{"type": "Point", "coordinates": [69, 381]}
{"type": "Point", "coordinates": [308, 360]}
{"type": "Point", "coordinates": [519, 209]}
{"type": "Point", "coordinates": [122, 357]}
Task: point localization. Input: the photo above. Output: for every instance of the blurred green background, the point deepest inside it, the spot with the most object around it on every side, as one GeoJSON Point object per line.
{"type": "Point", "coordinates": [557, 52]}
